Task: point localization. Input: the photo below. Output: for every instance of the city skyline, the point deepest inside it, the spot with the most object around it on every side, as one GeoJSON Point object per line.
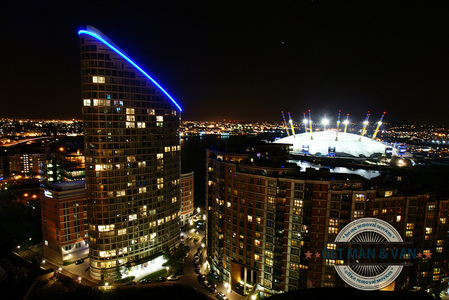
{"type": "Point", "coordinates": [241, 61]}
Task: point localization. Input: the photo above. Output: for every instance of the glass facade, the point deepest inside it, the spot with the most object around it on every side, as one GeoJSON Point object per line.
{"type": "Point", "coordinates": [132, 151]}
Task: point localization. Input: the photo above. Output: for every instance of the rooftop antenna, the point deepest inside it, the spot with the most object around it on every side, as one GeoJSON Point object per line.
{"type": "Point", "coordinates": [285, 123]}
{"type": "Point", "coordinates": [378, 125]}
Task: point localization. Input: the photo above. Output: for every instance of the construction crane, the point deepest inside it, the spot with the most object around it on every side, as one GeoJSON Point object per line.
{"type": "Point", "coordinates": [310, 124]}
{"type": "Point", "coordinates": [285, 123]}
{"type": "Point", "coordinates": [338, 125]}
{"type": "Point", "coordinates": [346, 122]}
{"type": "Point", "coordinates": [365, 124]}
{"type": "Point", "coordinates": [291, 124]}
{"type": "Point", "coordinates": [378, 125]}
{"type": "Point", "coordinates": [305, 122]}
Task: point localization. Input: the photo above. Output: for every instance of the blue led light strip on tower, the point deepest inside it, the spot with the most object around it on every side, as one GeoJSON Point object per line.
{"type": "Point", "coordinates": [129, 60]}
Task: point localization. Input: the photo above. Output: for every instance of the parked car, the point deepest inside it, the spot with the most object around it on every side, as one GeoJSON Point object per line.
{"type": "Point", "coordinates": [212, 289]}
{"type": "Point", "coordinates": [161, 279]}
{"type": "Point", "coordinates": [130, 283]}
{"type": "Point", "coordinates": [145, 280]}
{"type": "Point", "coordinates": [206, 283]}
{"type": "Point", "coordinates": [201, 278]}
{"type": "Point", "coordinates": [197, 270]}
{"type": "Point", "coordinates": [174, 278]}
{"type": "Point", "coordinates": [221, 296]}
{"type": "Point", "coordinates": [79, 261]}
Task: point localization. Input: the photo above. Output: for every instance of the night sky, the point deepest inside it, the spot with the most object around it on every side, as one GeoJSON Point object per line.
{"type": "Point", "coordinates": [239, 60]}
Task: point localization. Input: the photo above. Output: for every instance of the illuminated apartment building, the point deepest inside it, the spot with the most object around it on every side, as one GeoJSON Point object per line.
{"type": "Point", "coordinates": [187, 192]}
{"type": "Point", "coordinates": [64, 221]}
{"type": "Point", "coordinates": [264, 214]}
{"type": "Point", "coordinates": [132, 152]}
{"type": "Point", "coordinates": [25, 163]}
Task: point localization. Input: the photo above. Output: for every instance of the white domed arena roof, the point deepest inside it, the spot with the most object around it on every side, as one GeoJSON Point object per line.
{"type": "Point", "coordinates": [348, 144]}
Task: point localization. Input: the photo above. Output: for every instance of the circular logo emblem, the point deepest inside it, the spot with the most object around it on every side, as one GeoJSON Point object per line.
{"type": "Point", "coordinates": [367, 232]}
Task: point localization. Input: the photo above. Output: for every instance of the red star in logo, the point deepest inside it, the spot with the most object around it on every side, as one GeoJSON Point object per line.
{"type": "Point", "coordinates": [317, 254]}
{"type": "Point", "coordinates": [429, 254]}
{"type": "Point", "coordinates": [419, 255]}
{"type": "Point", "coordinates": [308, 254]}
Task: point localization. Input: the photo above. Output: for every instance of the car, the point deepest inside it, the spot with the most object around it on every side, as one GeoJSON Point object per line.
{"type": "Point", "coordinates": [221, 296]}
{"type": "Point", "coordinates": [212, 289]}
{"type": "Point", "coordinates": [197, 270]}
{"type": "Point", "coordinates": [161, 279]}
{"type": "Point", "coordinates": [145, 280]}
{"type": "Point", "coordinates": [174, 278]}
{"type": "Point", "coordinates": [206, 283]}
{"type": "Point", "coordinates": [182, 237]}
{"type": "Point", "coordinates": [132, 282]}
{"type": "Point", "coordinates": [79, 261]}
{"type": "Point", "coordinates": [201, 278]}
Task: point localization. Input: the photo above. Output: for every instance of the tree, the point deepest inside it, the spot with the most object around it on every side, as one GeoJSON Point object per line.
{"type": "Point", "coordinates": [118, 274]}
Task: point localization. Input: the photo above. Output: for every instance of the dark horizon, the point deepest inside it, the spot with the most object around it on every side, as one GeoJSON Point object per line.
{"type": "Point", "coordinates": [243, 60]}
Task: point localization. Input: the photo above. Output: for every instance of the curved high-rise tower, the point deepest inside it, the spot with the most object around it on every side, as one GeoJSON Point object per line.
{"type": "Point", "coordinates": [132, 154]}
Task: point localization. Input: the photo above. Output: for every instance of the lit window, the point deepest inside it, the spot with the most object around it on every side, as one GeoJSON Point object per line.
{"type": "Point", "coordinates": [132, 217]}
{"type": "Point", "coordinates": [98, 79]}
{"type": "Point", "coordinates": [359, 214]}
{"type": "Point", "coordinates": [159, 118]}
{"type": "Point", "coordinates": [410, 226]}
{"type": "Point", "coordinates": [429, 230]}
{"type": "Point", "coordinates": [86, 102]}
{"type": "Point", "coordinates": [106, 227]}
{"type": "Point", "coordinates": [333, 230]}
{"type": "Point", "coordinates": [330, 262]}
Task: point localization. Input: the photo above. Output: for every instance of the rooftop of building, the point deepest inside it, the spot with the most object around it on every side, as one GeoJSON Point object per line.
{"type": "Point", "coordinates": [67, 185]}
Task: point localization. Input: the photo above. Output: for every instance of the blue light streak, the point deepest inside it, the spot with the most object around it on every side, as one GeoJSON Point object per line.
{"type": "Point", "coordinates": [130, 61]}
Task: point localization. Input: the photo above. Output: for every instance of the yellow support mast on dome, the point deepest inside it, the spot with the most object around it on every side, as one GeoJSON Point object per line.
{"type": "Point", "coordinates": [310, 124]}
{"type": "Point", "coordinates": [365, 124]}
{"type": "Point", "coordinates": [378, 125]}
{"type": "Point", "coordinates": [285, 123]}
{"type": "Point", "coordinates": [305, 122]}
{"type": "Point", "coordinates": [291, 124]}
{"type": "Point", "coordinates": [346, 122]}
{"type": "Point", "coordinates": [338, 125]}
